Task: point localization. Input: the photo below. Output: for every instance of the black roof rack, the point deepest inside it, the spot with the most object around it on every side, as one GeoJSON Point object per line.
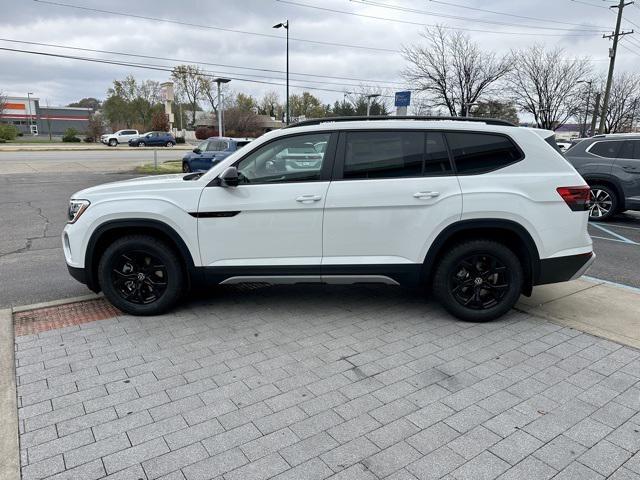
{"type": "Point", "coordinates": [318, 121]}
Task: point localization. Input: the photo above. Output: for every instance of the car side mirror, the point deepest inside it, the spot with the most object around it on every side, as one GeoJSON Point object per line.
{"type": "Point", "coordinates": [197, 150]}
{"type": "Point", "coordinates": [229, 178]}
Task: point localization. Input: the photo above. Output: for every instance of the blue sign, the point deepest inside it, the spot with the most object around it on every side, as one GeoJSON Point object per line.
{"type": "Point", "coordinates": [403, 99]}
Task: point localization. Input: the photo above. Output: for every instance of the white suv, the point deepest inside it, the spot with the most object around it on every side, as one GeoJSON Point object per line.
{"type": "Point", "coordinates": [121, 136]}
{"type": "Point", "coordinates": [478, 211]}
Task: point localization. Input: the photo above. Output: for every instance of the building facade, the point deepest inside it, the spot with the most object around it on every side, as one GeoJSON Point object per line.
{"type": "Point", "coordinates": [30, 117]}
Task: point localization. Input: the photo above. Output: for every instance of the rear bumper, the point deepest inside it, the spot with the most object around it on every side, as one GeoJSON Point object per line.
{"type": "Point", "coordinates": [563, 269]}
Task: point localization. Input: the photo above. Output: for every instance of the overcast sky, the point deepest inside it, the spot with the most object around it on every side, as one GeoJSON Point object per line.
{"type": "Point", "coordinates": [60, 81]}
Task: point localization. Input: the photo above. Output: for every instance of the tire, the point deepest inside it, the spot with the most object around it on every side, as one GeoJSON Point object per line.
{"type": "Point", "coordinates": [169, 144]}
{"type": "Point", "coordinates": [121, 265]}
{"type": "Point", "coordinates": [113, 142]}
{"type": "Point", "coordinates": [185, 167]}
{"type": "Point", "coordinates": [140, 144]}
{"type": "Point", "coordinates": [468, 267]}
{"type": "Point", "coordinates": [604, 203]}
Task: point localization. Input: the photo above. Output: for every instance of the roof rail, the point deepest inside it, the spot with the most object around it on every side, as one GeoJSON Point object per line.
{"type": "Point", "coordinates": [318, 121]}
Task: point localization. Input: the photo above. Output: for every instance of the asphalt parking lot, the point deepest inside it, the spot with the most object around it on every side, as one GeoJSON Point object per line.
{"type": "Point", "coordinates": [333, 382]}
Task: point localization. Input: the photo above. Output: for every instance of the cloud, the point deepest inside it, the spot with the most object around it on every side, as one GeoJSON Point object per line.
{"type": "Point", "coordinates": [63, 81]}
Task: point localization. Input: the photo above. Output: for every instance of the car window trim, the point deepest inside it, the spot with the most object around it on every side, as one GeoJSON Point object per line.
{"type": "Point", "coordinates": [327, 161]}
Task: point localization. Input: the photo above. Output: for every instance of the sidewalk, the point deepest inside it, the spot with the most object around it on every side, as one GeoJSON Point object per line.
{"type": "Point", "coordinates": [589, 305]}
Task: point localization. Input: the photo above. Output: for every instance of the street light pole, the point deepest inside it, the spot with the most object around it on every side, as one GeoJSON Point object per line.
{"type": "Point", "coordinates": [220, 81]}
{"type": "Point", "coordinates": [30, 116]}
{"type": "Point", "coordinates": [285, 25]}
{"type": "Point", "coordinates": [583, 127]}
{"type": "Point", "coordinates": [369, 97]}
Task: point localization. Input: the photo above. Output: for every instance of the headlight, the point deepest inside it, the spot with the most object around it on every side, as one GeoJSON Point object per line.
{"type": "Point", "coordinates": [77, 208]}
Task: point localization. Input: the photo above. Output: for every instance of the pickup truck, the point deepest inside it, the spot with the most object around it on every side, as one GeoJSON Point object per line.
{"type": "Point", "coordinates": [121, 136]}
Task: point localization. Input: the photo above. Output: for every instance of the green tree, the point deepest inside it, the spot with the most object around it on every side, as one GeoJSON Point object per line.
{"type": "Point", "coordinates": [131, 103]}
{"type": "Point", "coordinates": [307, 105]}
{"type": "Point", "coordinates": [88, 102]}
{"type": "Point", "coordinates": [246, 103]}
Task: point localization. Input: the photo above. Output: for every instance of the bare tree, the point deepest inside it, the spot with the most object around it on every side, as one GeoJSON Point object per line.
{"type": "Point", "coordinates": [241, 123]}
{"type": "Point", "coordinates": [452, 70]}
{"type": "Point", "coordinates": [209, 90]}
{"type": "Point", "coordinates": [270, 105]}
{"type": "Point", "coordinates": [624, 103]}
{"type": "Point", "coordinates": [545, 84]}
{"type": "Point", "coordinates": [3, 103]}
{"type": "Point", "coordinates": [188, 80]}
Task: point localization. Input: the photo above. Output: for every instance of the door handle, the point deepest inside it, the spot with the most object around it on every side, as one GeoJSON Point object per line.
{"type": "Point", "coordinates": [631, 169]}
{"type": "Point", "coordinates": [308, 198]}
{"type": "Point", "coordinates": [424, 195]}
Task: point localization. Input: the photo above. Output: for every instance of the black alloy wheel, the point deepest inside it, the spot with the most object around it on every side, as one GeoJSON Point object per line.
{"type": "Point", "coordinates": [139, 277]}
{"type": "Point", "coordinates": [478, 280]}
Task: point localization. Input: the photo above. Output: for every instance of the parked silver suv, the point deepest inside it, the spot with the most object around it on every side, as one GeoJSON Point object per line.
{"type": "Point", "coordinates": [611, 166]}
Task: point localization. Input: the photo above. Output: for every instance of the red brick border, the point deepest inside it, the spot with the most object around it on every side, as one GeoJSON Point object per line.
{"type": "Point", "coordinates": [50, 318]}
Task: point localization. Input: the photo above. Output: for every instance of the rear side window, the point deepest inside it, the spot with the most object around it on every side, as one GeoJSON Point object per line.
{"type": "Point", "coordinates": [630, 150]}
{"type": "Point", "coordinates": [394, 154]}
{"type": "Point", "coordinates": [606, 149]}
{"type": "Point", "coordinates": [476, 153]}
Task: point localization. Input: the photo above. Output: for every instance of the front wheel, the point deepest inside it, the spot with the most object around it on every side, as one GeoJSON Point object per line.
{"type": "Point", "coordinates": [141, 275]}
{"type": "Point", "coordinates": [478, 280]}
{"type": "Point", "coordinates": [113, 142]}
{"type": "Point", "coordinates": [141, 144]}
{"type": "Point", "coordinates": [604, 203]}
{"type": "Point", "coordinates": [185, 167]}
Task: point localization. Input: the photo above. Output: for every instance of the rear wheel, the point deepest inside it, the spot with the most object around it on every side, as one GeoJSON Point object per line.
{"type": "Point", "coordinates": [604, 203]}
{"type": "Point", "coordinates": [478, 280]}
{"type": "Point", "coordinates": [170, 144]}
{"type": "Point", "coordinates": [141, 275]}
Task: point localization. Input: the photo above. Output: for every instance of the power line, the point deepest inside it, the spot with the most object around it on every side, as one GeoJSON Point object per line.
{"type": "Point", "coordinates": [162, 68]}
{"type": "Point", "coordinates": [289, 2]}
{"type": "Point", "coordinates": [210, 27]}
{"type": "Point", "coordinates": [153, 57]}
{"type": "Point", "coordinates": [475, 20]}
{"type": "Point", "coordinates": [495, 12]}
{"type": "Point", "coordinates": [590, 4]}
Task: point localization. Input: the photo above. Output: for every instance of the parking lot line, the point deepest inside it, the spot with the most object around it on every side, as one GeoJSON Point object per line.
{"type": "Point", "coordinates": [613, 234]}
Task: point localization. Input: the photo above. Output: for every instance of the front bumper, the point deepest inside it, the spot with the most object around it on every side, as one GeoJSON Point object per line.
{"type": "Point", "coordinates": [78, 273]}
{"type": "Point", "coordinates": [563, 269]}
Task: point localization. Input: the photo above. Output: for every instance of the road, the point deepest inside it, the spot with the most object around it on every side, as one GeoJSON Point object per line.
{"type": "Point", "coordinates": [33, 213]}
{"type": "Point", "coordinates": [98, 161]}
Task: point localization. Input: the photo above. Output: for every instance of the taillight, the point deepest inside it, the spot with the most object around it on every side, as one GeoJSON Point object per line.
{"type": "Point", "coordinates": [578, 198]}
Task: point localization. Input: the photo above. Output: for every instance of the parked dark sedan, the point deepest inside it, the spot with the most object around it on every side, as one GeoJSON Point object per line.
{"type": "Point", "coordinates": [153, 139]}
{"type": "Point", "coordinates": [210, 152]}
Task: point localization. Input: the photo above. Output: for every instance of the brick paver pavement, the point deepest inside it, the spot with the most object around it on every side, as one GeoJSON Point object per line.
{"type": "Point", "coordinates": [325, 382]}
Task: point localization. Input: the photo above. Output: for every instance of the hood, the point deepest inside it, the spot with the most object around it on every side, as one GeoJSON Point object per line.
{"type": "Point", "coordinates": [139, 184]}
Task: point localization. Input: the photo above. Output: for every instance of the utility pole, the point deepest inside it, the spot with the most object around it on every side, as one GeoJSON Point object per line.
{"type": "Point", "coordinates": [612, 55]}
{"type": "Point", "coordinates": [596, 109]}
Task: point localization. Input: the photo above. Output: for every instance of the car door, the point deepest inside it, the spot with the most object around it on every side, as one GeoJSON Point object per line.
{"type": "Point", "coordinates": [271, 223]}
{"type": "Point", "coordinates": [626, 168]}
{"type": "Point", "coordinates": [392, 192]}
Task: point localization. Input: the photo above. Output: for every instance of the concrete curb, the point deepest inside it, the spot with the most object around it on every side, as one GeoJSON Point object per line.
{"type": "Point", "coordinates": [9, 441]}
{"type": "Point", "coordinates": [590, 305]}
{"type": "Point", "coordinates": [56, 303]}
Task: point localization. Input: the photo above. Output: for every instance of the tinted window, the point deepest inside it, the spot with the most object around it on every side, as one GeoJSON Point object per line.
{"type": "Point", "coordinates": [606, 149]}
{"type": "Point", "coordinates": [383, 155]}
{"type": "Point", "coordinates": [437, 157]}
{"type": "Point", "coordinates": [130, 132]}
{"type": "Point", "coordinates": [630, 150]}
{"type": "Point", "coordinates": [279, 161]}
{"type": "Point", "coordinates": [481, 152]}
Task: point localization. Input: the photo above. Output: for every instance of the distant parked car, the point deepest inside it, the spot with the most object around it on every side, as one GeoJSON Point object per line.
{"type": "Point", "coordinates": [121, 136]}
{"type": "Point", "coordinates": [563, 146]}
{"type": "Point", "coordinates": [210, 152]}
{"type": "Point", "coordinates": [153, 139]}
{"type": "Point", "coordinates": [611, 166]}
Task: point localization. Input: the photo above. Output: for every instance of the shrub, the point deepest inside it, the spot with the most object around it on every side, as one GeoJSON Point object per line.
{"type": "Point", "coordinates": [2, 140]}
{"type": "Point", "coordinates": [8, 132]}
{"type": "Point", "coordinates": [180, 140]}
{"type": "Point", "coordinates": [70, 136]}
{"type": "Point", "coordinates": [202, 133]}
{"type": "Point", "coordinates": [88, 139]}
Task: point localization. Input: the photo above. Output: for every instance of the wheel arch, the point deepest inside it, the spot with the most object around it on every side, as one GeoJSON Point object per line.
{"type": "Point", "coordinates": [111, 230]}
{"type": "Point", "coordinates": [508, 232]}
